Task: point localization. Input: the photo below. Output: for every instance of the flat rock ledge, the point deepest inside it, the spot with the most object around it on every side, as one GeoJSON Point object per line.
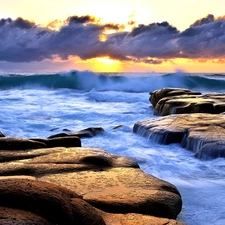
{"type": "Point", "coordinates": [81, 186]}
{"type": "Point", "coordinates": [202, 133]}
{"type": "Point", "coordinates": [168, 101]}
{"type": "Point", "coordinates": [71, 139]}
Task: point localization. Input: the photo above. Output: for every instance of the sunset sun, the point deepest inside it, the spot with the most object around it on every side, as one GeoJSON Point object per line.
{"type": "Point", "coordinates": [107, 60]}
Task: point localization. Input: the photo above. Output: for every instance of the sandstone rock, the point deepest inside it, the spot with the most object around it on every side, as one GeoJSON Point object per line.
{"type": "Point", "coordinates": [177, 101]}
{"type": "Point", "coordinates": [51, 202]}
{"type": "Point", "coordinates": [10, 216]}
{"type": "Point", "coordinates": [156, 95]}
{"type": "Point", "coordinates": [105, 181]}
{"type": "Point", "coordinates": [202, 133]}
{"type": "Point", "coordinates": [88, 132]}
{"type": "Point", "coordinates": [136, 219]}
{"type": "Point", "coordinates": [45, 199]}
{"type": "Point", "coordinates": [118, 190]}
{"type": "Point", "coordinates": [85, 214]}
{"type": "Point", "coordinates": [11, 143]}
{"type": "Point", "coordinates": [60, 160]}
{"type": "Point", "coordinates": [68, 141]}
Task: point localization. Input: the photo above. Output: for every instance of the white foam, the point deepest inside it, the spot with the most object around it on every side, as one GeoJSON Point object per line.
{"type": "Point", "coordinates": [35, 112]}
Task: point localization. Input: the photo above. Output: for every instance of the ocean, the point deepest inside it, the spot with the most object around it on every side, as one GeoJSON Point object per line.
{"type": "Point", "coordinates": [40, 105]}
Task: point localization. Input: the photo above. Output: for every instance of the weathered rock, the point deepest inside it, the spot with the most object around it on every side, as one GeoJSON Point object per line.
{"type": "Point", "coordinates": [86, 214]}
{"type": "Point", "coordinates": [202, 133]}
{"type": "Point", "coordinates": [117, 127]}
{"type": "Point", "coordinates": [118, 190]}
{"type": "Point", "coordinates": [178, 101]}
{"type": "Point", "coordinates": [67, 141]}
{"type": "Point", "coordinates": [105, 181]}
{"type": "Point", "coordinates": [37, 162]}
{"type": "Point", "coordinates": [156, 95]}
{"type": "Point", "coordinates": [45, 199]}
{"type": "Point", "coordinates": [88, 132]}
{"type": "Point", "coordinates": [10, 216]}
{"type": "Point", "coordinates": [57, 140]}
{"type": "Point", "coordinates": [52, 202]}
{"type": "Point", "coordinates": [11, 143]}
{"type": "Point", "coordinates": [136, 219]}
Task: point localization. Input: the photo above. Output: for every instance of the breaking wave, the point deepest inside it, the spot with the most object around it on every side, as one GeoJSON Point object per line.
{"type": "Point", "coordinates": [128, 82]}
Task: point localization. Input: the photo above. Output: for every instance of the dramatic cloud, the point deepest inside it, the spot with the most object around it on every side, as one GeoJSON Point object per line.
{"type": "Point", "coordinates": [204, 39]}
{"type": "Point", "coordinates": [24, 41]}
{"type": "Point", "coordinates": [81, 19]}
{"type": "Point", "coordinates": [19, 22]}
{"type": "Point", "coordinates": [155, 40]}
{"type": "Point", "coordinates": [208, 19]}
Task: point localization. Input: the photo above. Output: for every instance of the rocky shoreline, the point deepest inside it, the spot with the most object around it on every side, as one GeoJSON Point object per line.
{"type": "Point", "coordinates": [195, 121]}
{"type": "Point", "coordinates": [57, 181]}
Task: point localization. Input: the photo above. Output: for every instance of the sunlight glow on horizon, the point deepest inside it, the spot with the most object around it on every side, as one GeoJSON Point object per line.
{"type": "Point", "coordinates": [186, 65]}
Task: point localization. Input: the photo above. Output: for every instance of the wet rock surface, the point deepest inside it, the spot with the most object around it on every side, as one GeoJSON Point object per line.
{"type": "Point", "coordinates": [202, 133]}
{"type": "Point", "coordinates": [85, 133]}
{"type": "Point", "coordinates": [71, 139]}
{"type": "Point", "coordinates": [168, 101]}
{"type": "Point", "coordinates": [62, 185]}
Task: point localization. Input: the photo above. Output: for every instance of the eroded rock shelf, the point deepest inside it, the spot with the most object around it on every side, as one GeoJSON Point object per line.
{"type": "Point", "coordinates": [76, 185]}
{"type": "Point", "coordinates": [194, 120]}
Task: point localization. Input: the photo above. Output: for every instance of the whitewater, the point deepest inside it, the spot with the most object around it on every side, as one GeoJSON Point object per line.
{"type": "Point", "coordinates": [40, 105]}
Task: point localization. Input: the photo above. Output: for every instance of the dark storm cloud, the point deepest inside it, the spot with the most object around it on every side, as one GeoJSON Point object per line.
{"type": "Point", "coordinates": [149, 61]}
{"type": "Point", "coordinates": [20, 41]}
{"type": "Point", "coordinates": [204, 39]}
{"type": "Point", "coordinates": [154, 40]}
{"type": "Point", "coordinates": [19, 44]}
{"type": "Point", "coordinates": [75, 39]}
{"type": "Point", "coordinates": [153, 28]}
{"type": "Point", "coordinates": [80, 19]}
{"type": "Point", "coordinates": [208, 19]}
{"type": "Point", "coordinates": [19, 22]}
{"type": "Point", "coordinates": [24, 41]}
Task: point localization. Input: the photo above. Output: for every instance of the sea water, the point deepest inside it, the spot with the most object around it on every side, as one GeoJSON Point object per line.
{"type": "Point", "coordinates": [40, 105]}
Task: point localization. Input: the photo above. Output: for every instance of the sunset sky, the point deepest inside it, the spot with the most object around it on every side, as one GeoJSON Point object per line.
{"type": "Point", "coordinates": [112, 36]}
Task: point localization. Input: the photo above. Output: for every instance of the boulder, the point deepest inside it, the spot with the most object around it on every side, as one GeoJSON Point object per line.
{"type": "Point", "coordinates": [57, 140]}
{"type": "Point", "coordinates": [67, 141]}
{"type": "Point", "coordinates": [45, 199]}
{"type": "Point", "coordinates": [202, 133]}
{"type": "Point", "coordinates": [117, 190]}
{"type": "Point", "coordinates": [156, 95]}
{"type": "Point", "coordinates": [12, 216]}
{"type": "Point", "coordinates": [53, 203]}
{"type": "Point", "coordinates": [12, 143]}
{"type": "Point", "coordinates": [85, 133]}
{"type": "Point", "coordinates": [168, 101]}
{"type": "Point", "coordinates": [15, 144]}
{"type": "Point", "coordinates": [84, 186]}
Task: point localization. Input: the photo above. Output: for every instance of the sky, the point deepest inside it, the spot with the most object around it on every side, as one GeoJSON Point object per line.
{"type": "Point", "coordinates": [112, 36]}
